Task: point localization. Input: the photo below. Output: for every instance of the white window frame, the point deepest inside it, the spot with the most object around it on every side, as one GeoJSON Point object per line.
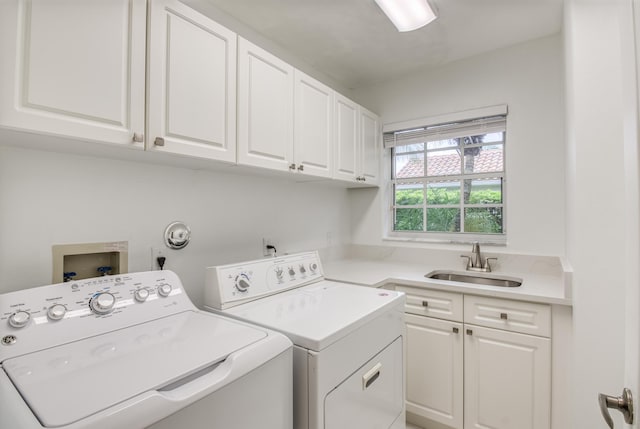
{"type": "Point", "coordinates": [443, 237]}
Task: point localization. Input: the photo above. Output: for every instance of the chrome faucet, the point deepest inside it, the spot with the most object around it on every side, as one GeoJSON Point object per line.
{"type": "Point", "coordinates": [475, 263]}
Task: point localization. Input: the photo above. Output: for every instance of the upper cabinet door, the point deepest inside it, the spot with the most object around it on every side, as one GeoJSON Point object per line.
{"type": "Point", "coordinates": [74, 68]}
{"type": "Point", "coordinates": [370, 147]}
{"type": "Point", "coordinates": [346, 139]}
{"type": "Point", "coordinates": [192, 81]}
{"type": "Point", "coordinates": [313, 126]}
{"type": "Point", "coordinates": [265, 108]}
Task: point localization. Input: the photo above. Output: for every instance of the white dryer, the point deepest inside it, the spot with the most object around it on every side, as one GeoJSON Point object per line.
{"type": "Point", "coordinates": [131, 351]}
{"type": "Point", "coordinates": [348, 339]}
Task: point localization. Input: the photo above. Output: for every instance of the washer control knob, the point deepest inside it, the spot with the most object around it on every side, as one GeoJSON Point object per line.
{"type": "Point", "coordinates": [243, 283]}
{"type": "Point", "coordinates": [292, 272]}
{"type": "Point", "coordinates": [19, 319]}
{"type": "Point", "coordinates": [56, 312]}
{"type": "Point", "coordinates": [102, 303]}
{"type": "Point", "coordinates": [164, 290]}
{"type": "Point", "coordinates": [141, 295]}
{"type": "Point", "coordinates": [313, 267]}
{"type": "Point", "coordinates": [302, 269]}
{"type": "Point", "coordinates": [279, 273]}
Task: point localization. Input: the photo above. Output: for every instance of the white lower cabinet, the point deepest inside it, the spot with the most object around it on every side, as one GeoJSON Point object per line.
{"type": "Point", "coordinates": [434, 369]}
{"type": "Point", "coordinates": [507, 380]}
{"type": "Point", "coordinates": [491, 373]}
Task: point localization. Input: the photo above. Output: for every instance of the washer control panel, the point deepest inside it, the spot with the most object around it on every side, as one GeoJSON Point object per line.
{"type": "Point", "coordinates": [233, 284]}
{"type": "Point", "coordinates": [44, 316]}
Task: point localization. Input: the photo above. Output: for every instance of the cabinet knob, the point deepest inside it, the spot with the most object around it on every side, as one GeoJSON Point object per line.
{"type": "Point", "coordinates": [425, 303]}
{"type": "Point", "coordinates": [469, 332]}
{"type": "Point", "coordinates": [159, 141]}
{"type": "Point", "coordinates": [301, 168]}
{"type": "Point", "coordinates": [138, 138]}
{"type": "Point", "coordinates": [455, 330]}
{"type": "Point", "coordinates": [503, 316]}
{"type": "Point", "coordinates": [292, 167]}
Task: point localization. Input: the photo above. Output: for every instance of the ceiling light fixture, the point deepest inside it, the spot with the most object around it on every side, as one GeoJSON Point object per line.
{"type": "Point", "coordinates": [407, 15]}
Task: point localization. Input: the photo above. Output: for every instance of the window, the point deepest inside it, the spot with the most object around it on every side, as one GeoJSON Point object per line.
{"type": "Point", "coordinates": [447, 180]}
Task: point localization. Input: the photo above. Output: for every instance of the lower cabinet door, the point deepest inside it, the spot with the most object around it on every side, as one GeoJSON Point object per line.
{"type": "Point", "coordinates": [507, 380]}
{"type": "Point", "coordinates": [434, 369]}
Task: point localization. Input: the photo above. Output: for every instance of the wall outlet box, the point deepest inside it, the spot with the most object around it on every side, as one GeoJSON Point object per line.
{"type": "Point", "coordinates": [85, 259]}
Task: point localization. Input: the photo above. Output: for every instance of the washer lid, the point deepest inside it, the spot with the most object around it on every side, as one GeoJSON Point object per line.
{"type": "Point", "coordinates": [67, 383]}
{"type": "Point", "coordinates": [318, 315]}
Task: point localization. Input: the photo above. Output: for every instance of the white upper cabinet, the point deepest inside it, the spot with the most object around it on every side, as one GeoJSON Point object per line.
{"type": "Point", "coordinates": [357, 138]}
{"type": "Point", "coordinates": [313, 126]}
{"type": "Point", "coordinates": [265, 108]}
{"type": "Point", "coordinates": [192, 83]}
{"type": "Point", "coordinates": [369, 147]}
{"type": "Point", "coordinates": [74, 68]}
{"type": "Point", "coordinates": [160, 76]}
{"type": "Point", "coordinates": [346, 139]}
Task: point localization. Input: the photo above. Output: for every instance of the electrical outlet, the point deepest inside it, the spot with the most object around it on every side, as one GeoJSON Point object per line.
{"type": "Point", "coordinates": [156, 252]}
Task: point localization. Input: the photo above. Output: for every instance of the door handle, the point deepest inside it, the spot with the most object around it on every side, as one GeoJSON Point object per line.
{"type": "Point", "coordinates": [623, 403]}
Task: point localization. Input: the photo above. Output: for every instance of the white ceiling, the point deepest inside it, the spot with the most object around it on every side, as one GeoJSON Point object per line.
{"type": "Point", "coordinates": [353, 42]}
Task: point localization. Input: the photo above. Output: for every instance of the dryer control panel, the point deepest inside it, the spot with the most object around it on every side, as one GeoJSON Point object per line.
{"type": "Point", "coordinates": [37, 318]}
{"type": "Point", "coordinates": [234, 284]}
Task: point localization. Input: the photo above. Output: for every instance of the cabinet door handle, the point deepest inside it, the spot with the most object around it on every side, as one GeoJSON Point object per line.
{"type": "Point", "coordinates": [469, 332]}
{"type": "Point", "coordinates": [159, 141]}
{"type": "Point", "coordinates": [301, 168]}
{"type": "Point", "coordinates": [503, 316]}
{"type": "Point", "coordinates": [292, 167]}
{"type": "Point", "coordinates": [425, 303]}
{"type": "Point", "coordinates": [455, 330]}
{"type": "Point", "coordinates": [138, 138]}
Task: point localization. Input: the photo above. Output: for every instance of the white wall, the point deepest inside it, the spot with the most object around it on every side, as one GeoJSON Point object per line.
{"type": "Point", "coordinates": [602, 221]}
{"type": "Point", "coordinates": [50, 198]}
{"type": "Point", "coordinates": [529, 79]}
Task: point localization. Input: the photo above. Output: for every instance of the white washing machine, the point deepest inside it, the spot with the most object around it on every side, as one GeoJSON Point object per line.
{"type": "Point", "coordinates": [348, 339]}
{"type": "Point", "coordinates": [131, 351]}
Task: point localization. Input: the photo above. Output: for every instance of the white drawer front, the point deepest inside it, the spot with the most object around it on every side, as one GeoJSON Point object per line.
{"type": "Point", "coordinates": [516, 316]}
{"type": "Point", "coordinates": [433, 303]}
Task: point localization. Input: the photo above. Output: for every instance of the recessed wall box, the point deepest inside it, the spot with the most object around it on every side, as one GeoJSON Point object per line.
{"type": "Point", "coordinates": [82, 261]}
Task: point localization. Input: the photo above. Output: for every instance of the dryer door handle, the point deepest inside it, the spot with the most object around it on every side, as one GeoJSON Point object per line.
{"type": "Point", "coordinates": [371, 376]}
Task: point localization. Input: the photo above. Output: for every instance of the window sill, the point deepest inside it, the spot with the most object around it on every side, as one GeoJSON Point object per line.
{"type": "Point", "coordinates": [500, 240]}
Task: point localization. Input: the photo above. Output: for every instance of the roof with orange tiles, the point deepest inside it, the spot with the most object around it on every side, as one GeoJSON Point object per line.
{"type": "Point", "coordinates": [450, 164]}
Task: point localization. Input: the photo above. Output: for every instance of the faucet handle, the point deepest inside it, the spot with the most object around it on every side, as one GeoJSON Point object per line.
{"type": "Point", "coordinates": [468, 260]}
{"type": "Point", "coordinates": [487, 264]}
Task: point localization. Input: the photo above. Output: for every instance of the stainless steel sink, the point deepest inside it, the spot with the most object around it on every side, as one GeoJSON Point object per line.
{"type": "Point", "coordinates": [485, 279]}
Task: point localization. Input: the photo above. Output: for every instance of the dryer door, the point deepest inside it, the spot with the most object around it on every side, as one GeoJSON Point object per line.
{"type": "Point", "coordinates": [372, 397]}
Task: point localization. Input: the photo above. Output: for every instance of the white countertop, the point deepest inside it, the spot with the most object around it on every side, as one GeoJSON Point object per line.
{"type": "Point", "coordinates": [544, 280]}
